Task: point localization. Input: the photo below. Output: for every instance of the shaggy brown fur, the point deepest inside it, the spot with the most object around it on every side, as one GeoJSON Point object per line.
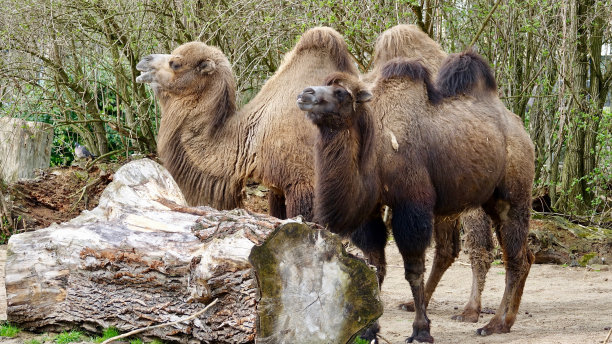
{"type": "Point", "coordinates": [211, 150]}
{"type": "Point", "coordinates": [450, 157]}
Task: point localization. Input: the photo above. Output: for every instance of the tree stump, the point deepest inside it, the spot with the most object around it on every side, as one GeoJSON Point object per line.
{"type": "Point", "coordinates": [143, 257]}
{"type": "Point", "coordinates": [24, 147]}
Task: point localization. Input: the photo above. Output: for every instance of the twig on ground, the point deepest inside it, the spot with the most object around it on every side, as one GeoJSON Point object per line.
{"type": "Point", "coordinates": [131, 333]}
{"type": "Point", "coordinates": [383, 338]}
{"type": "Point", "coordinates": [608, 336]}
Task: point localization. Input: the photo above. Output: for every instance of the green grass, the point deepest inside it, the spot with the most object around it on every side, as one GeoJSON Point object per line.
{"type": "Point", "coordinates": [68, 337]}
{"type": "Point", "coordinates": [497, 262]}
{"type": "Point", "coordinates": [136, 341]}
{"type": "Point", "coordinates": [106, 334]}
{"type": "Point", "coordinates": [33, 341]}
{"type": "Point", "coordinates": [360, 340]}
{"type": "Point", "coordinates": [157, 341]}
{"type": "Point", "coordinates": [8, 330]}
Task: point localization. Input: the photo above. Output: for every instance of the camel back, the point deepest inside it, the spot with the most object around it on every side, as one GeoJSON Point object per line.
{"type": "Point", "coordinates": [465, 73]}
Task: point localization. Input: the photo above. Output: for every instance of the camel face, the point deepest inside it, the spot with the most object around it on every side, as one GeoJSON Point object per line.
{"type": "Point", "coordinates": [186, 69]}
{"type": "Point", "coordinates": [331, 105]}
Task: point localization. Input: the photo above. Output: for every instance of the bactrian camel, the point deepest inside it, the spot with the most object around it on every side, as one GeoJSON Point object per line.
{"type": "Point", "coordinates": [211, 149]}
{"type": "Point", "coordinates": [409, 41]}
{"type": "Point", "coordinates": [451, 155]}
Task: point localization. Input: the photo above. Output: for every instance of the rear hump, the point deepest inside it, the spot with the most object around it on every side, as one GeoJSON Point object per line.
{"type": "Point", "coordinates": [464, 73]}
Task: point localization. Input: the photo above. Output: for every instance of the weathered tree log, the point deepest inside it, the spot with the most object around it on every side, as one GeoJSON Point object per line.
{"type": "Point", "coordinates": [142, 258]}
{"type": "Point", "coordinates": [24, 147]}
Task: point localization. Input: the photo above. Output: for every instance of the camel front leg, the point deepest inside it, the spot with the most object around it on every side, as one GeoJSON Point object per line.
{"type": "Point", "coordinates": [412, 230]}
{"type": "Point", "coordinates": [299, 200]}
{"type": "Point", "coordinates": [448, 246]}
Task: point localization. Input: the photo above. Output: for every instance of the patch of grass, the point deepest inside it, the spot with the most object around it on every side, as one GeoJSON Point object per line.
{"type": "Point", "coordinates": [106, 334]}
{"type": "Point", "coordinates": [586, 258]}
{"type": "Point", "coordinates": [8, 330]}
{"type": "Point", "coordinates": [136, 341]}
{"type": "Point", "coordinates": [360, 340]}
{"type": "Point", "coordinates": [68, 337]}
{"type": "Point", "coordinates": [497, 262]}
{"type": "Point", "coordinates": [156, 341]}
{"type": "Point", "coordinates": [33, 341]}
{"type": "Point", "coordinates": [501, 272]}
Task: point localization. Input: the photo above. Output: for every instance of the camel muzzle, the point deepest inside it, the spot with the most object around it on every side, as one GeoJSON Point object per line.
{"type": "Point", "coordinates": [307, 99]}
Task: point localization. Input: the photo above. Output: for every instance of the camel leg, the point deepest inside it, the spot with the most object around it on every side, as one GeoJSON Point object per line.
{"type": "Point", "coordinates": [512, 222]}
{"type": "Point", "coordinates": [277, 205]}
{"type": "Point", "coordinates": [479, 242]}
{"type": "Point", "coordinates": [448, 246]}
{"type": "Point", "coordinates": [371, 238]}
{"type": "Point", "coordinates": [412, 230]}
{"type": "Point", "coordinates": [299, 199]}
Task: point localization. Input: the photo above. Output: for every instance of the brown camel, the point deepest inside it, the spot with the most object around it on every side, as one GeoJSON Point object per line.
{"type": "Point", "coordinates": [211, 149]}
{"type": "Point", "coordinates": [450, 155]}
{"type": "Point", "coordinates": [409, 41]}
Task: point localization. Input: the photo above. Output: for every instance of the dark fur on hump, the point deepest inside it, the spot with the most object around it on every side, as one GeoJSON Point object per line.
{"type": "Point", "coordinates": [460, 73]}
{"type": "Point", "coordinates": [323, 38]}
{"type": "Point", "coordinates": [407, 68]}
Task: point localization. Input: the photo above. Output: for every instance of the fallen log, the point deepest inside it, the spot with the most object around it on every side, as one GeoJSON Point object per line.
{"type": "Point", "coordinates": [143, 258]}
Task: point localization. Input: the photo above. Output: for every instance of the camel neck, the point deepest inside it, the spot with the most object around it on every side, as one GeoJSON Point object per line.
{"type": "Point", "coordinates": [347, 188]}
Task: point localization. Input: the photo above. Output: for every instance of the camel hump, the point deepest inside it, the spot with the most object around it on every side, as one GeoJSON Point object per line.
{"type": "Point", "coordinates": [399, 68]}
{"type": "Point", "coordinates": [464, 73]}
{"type": "Point", "coordinates": [327, 40]}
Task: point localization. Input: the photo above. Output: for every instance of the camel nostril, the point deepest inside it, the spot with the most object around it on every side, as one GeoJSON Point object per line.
{"type": "Point", "coordinates": [309, 90]}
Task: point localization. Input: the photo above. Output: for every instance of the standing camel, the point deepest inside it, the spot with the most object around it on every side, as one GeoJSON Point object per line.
{"type": "Point", "coordinates": [409, 41]}
{"type": "Point", "coordinates": [211, 149]}
{"type": "Point", "coordinates": [450, 155]}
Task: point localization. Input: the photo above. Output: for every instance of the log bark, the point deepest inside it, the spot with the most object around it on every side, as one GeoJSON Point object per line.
{"type": "Point", "coordinates": [143, 257]}
{"type": "Point", "coordinates": [24, 147]}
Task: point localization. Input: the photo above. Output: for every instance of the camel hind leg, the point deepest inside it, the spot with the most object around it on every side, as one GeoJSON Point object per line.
{"type": "Point", "coordinates": [512, 224]}
{"type": "Point", "coordinates": [479, 243]}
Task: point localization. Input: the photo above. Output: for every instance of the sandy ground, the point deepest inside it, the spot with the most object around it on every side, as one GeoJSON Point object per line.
{"type": "Point", "coordinates": [559, 305]}
{"type": "Point", "coordinates": [564, 305]}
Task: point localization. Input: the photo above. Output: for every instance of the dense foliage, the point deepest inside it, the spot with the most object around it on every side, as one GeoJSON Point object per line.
{"type": "Point", "coordinates": [72, 63]}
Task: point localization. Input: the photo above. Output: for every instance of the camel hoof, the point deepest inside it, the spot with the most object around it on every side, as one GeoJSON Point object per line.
{"type": "Point", "coordinates": [491, 328]}
{"type": "Point", "coordinates": [466, 317]}
{"type": "Point", "coordinates": [370, 334]}
{"type": "Point", "coordinates": [420, 337]}
{"type": "Point", "coordinates": [407, 306]}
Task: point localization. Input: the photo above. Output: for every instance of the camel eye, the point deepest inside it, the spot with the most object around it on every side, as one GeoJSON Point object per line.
{"type": "Point", "coordinates": [174, 65]}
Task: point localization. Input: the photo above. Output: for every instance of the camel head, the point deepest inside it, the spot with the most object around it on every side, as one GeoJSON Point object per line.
{"type": "Point", "coordinates": [335, 104]}
{"type": "Point", "coordinates": [188, 69]}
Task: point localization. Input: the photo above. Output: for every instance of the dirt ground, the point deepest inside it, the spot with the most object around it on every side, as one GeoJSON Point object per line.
{"type": "Point", "coordinates": [561, 304]}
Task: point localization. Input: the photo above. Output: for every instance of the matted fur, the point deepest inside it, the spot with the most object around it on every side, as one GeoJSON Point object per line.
{"type": "Point", "coordinates": [211, 150]}
{"type": "Point", "coordinates": [461, 73]}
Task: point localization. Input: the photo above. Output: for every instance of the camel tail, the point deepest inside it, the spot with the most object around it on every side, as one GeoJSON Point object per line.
{"type": "Point", "coordinates": [414, 70]}
{"type": "Point", "coordinates": [464, 73]}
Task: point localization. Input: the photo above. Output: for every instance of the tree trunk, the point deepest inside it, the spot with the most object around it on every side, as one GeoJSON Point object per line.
{"type": "Point", "coordinates": [143, 258]}
{"type": "Point", "coordinates": [24, 147]}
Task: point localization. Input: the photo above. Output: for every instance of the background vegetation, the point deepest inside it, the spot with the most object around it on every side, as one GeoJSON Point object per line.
{"type": "Point", "coordinates": [72, 63]}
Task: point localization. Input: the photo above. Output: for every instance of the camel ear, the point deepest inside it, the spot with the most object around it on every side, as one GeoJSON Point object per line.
{"type": "Point", "coordinates": [206, 66]}
{"type": "Point", "coordinates": [363, 96]}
